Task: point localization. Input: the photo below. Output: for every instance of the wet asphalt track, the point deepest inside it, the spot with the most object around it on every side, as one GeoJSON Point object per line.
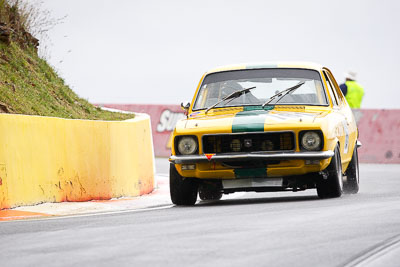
{"type": "Point", "coordinates": [268, 229]}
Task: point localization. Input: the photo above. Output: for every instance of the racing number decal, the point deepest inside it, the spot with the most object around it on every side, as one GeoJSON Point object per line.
{"type": "Point", "coordinates": [346, 140]}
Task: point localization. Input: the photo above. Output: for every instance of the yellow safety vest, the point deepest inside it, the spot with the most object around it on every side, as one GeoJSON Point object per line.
{"type": "Point", "coordinates": [355, 93]}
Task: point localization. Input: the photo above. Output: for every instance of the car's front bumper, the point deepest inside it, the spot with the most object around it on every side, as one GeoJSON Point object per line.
{"type": "Point", "coordinates": [318, 155]}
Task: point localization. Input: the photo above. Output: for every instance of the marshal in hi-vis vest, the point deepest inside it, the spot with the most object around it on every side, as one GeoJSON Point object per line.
{"type": "Point", "coordinates": [355, 93]}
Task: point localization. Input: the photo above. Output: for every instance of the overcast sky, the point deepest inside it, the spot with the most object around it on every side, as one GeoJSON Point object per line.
{"type": "Point", "coordinates": [146, 51]}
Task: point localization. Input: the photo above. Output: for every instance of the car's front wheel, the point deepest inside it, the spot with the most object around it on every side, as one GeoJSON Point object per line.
{"type": "Point", "coordinates": [351, 185]}
{"type": "Point", "coordinates": [332, 185]}
{"type": "Point", "coordinates": [183, 191]}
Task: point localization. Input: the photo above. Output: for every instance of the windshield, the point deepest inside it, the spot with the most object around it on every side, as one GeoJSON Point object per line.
{"type": "Point", "coordinates": [267, 83]}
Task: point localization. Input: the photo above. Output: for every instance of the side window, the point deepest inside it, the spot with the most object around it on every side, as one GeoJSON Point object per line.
{"type": "Point", "coordinates": [331, 90]}
{"type": "Point", "coordinates": [338, 92]}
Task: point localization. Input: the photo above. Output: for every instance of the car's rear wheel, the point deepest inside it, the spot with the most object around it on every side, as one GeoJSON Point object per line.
{"type": "Point", "coordinates": [183, 191]}
{"type": "Point", "coordinates": [332, 185]}
{"type": "Point", "coordinates": [210, 192]}
{"type": "Point", "coordinates": [351, 186]}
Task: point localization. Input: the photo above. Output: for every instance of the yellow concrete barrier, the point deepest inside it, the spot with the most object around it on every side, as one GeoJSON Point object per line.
{"type": "Point", "coordinates": [44, 159]}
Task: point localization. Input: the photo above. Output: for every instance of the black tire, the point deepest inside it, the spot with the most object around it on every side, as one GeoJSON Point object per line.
{"type": "Point", "coordinates": [183, 191]}
{"type": "Point", "coordinates": [351, 186]}
{"type": "Point", "coordinates": [332, 186]}
{"type": "Point", "coordinates": [209, 193]}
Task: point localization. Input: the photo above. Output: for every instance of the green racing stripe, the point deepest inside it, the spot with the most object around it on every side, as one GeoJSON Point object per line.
{"type": "Point", "coordinates": [251, 119]}
{"type": "Point", "coordinates": [261, 66]}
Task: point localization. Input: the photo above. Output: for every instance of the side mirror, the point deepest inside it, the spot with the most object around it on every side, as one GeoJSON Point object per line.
{"type": "Point", "coordinates": [185, 108]}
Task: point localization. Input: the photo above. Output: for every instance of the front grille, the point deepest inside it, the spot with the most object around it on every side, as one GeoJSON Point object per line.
{"type": "Point", "coordinates": [248, 142]}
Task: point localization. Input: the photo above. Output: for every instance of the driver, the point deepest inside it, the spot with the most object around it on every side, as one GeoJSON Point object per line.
{"type": "Point", "coordinates": [230, 87]}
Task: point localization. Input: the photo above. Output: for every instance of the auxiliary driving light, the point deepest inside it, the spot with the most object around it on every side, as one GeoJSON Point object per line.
{"type": "Point", "coordinates": [312, 162]}
{"type": "Point", "coordinates": [236, 145]}
{"type": "Point", "coordinates": [267, 145]}
{"type": "Point", "coordinates": [187, 167]}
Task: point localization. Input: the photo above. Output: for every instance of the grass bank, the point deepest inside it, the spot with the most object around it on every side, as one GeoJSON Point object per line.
{"type": "Point", "coordinates": [28, 85]}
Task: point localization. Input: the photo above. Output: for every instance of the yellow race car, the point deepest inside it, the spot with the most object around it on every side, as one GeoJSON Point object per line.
{"type": "Point", "coordinates": [265, 127]}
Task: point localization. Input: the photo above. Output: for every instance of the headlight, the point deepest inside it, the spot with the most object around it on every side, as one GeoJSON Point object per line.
{"type": "Point", "coordinates": [187, 145]}
{"type": "Point", "coordinates": [311, 141]}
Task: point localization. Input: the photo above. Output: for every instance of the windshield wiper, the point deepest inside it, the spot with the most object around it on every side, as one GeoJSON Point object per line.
{"type": "Point", "coordinates": [282, 93]}
{"type": "Point", "coordinates": [231, 97]}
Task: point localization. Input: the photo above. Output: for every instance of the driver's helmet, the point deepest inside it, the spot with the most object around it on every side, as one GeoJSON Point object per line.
{"type": "Point", "coordinates": [229, 87]}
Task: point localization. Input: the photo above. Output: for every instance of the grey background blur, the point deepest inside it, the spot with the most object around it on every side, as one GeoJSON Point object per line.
{"type": "Point", "coordinates": [148, 51]}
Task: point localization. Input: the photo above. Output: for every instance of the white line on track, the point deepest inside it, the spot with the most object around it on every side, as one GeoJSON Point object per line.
{"type": "Point", "coordinates": [375, 253]}
{"type": "Point", "coordinates": [161, 206]}
{"type": "Point", "coordinates": [91, 214]}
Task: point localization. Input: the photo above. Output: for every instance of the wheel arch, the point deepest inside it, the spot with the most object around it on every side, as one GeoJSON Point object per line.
{"type": "Point", "coordinates": [331, 146]}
